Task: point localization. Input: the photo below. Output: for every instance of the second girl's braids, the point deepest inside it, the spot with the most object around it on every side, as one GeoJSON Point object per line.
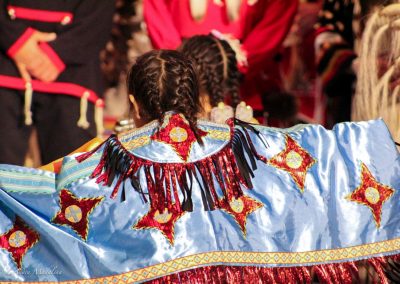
{"type": "Point", "coordinates": [216, 64]}
{"type": "Point", "coordinates": [163, 81]}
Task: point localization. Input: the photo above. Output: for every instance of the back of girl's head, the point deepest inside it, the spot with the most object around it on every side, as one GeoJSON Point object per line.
{"type": "Point", "coordinates": [163, 81]}
{"type": "Point", "coordinates": [216, 65]}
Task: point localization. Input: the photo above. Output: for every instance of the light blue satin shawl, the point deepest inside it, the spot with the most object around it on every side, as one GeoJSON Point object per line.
{"type": "Point", "coordinates": [317, 225]}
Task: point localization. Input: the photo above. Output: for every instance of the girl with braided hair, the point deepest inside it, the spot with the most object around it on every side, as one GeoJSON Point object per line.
{"type": "Point", "coordinates": [258, 26]}
{"type": "Point", "coordinates": [157, 86]}
{"type": "Point", "coordinates": [219, 78]}
{"type": "Point", "coordinates": [321, 200]}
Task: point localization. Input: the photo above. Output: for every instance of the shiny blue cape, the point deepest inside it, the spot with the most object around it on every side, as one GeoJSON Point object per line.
{"type": "Point", "coordinates": [320, 224]}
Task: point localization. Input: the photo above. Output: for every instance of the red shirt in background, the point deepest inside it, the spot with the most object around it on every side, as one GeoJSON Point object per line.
{"type": "Point", "coordinates": [261, 27]}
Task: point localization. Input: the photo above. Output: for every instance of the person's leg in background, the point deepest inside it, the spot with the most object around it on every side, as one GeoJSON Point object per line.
{"type": "Point", "coordinates": [56, 123]}
{"type": "Point", "coordinates": [14, 134]}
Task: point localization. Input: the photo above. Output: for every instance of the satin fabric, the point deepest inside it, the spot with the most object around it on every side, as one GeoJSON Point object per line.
{"type": "Point", "coordinates": [321, 218]}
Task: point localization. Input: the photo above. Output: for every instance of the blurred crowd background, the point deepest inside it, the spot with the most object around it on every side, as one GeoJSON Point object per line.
{"type": "Point", "coordinates": [313, 70]}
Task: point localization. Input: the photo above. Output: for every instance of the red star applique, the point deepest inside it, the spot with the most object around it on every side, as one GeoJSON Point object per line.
{"type": "Point", "coordinates": [240, 208]}
{"type": "Point", "coordinates": [18, 240]}
{"type": "Point", "coordinates": [75, 212]}
{"type": "Point", "coordinates": [295, 160]}
{"type": "Point", "coordinates": [177, 133]}
{"type": "Point", "coordinates": [371, 193]}
{"type": "Point", "coordinates": [162, 221]}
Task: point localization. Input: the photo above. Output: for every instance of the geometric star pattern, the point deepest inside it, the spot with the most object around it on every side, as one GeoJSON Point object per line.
{"type": "Point", "coordinates": [163, 221]}
{"type": "Point", "coordinates": [75, 212]}
{"type": "Point", "coordinates": [295, 160]}
{"type": "Point", "coordinates": [240, 208]}
{"type": "Point", "coordinates": [371, 193]}
{"type": "Point", "coordinates": [18, 240]}
{"type": "Point", "coordinates": [177, 133]}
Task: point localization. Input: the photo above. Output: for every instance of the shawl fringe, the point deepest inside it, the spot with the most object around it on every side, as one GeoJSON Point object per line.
{"type": "Point", "coordinates": [231, 168]}
{"type": "Point", "coordinates": [376, 270]}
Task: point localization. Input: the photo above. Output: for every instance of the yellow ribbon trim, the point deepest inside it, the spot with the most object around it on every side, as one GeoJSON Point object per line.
{"type": "Point", "coordinates": [249, 259]}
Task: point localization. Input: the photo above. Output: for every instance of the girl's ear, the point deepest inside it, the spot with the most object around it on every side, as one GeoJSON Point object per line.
{"type": "Point", "coordinates": [136, 112]}
{"type": "Point", "coordinates": [138, 116]}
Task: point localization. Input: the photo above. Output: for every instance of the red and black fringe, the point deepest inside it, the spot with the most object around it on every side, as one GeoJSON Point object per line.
{"type": "Point", "coordinates": [380, 270]}
{"type": "Point", "coordinates": [231, 169]}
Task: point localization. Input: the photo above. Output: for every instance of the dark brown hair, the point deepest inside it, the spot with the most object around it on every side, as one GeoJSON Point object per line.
{"type": "Point", "coordinates": [163, 81]}
{"type": "Point", "coordinates": [216, 65]}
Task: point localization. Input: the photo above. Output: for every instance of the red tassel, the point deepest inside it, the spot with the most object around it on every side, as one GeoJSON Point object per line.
{"type": "Point", "coordinates": [106, 176]}
{"type": "Point", "coordinates": [86, 155]}
{"type": "Point", "coordinates": [278, 278]}
{"type": "Point", "coordinates": [233, 275]}
{"type": "Point", "coordinates": [209, 176]}
{"type": "Point", "coordinates": [268, 275]}
{"type": "Point", "coordinates": [236, 190]}
{"type": "Point", "coordinates": [219, 275]}
{"type": "Point", "coordinates": [117, 186]}
{"type": "Point", "coordinates": [231, 124]}
{"type": "Point", "coordinates": [101, 179]}
{"type": "Point", "coordinates": [98, 169]}
{"type": "Point", "coordinates": [322, 274]}
{"type": "Point", "coordinates": [150, 188]}
{"type": "Point", "coordinates": [303, 274]}
{"type": "Point", "coordinates": [167, 181]}
{"type": "Point", "coordinates": [159, 191]}
{"type": "Point", "coordinates": [226, 176]}
{"type": "Point", "coordinates": [118, 163]}
{"type": "Point", "coordinates": [284, 275]}
{"type": "Point", "coordinates": [346, 272]}
{"type": "Point", "coordinates": [291, 276]}
{"type": "Point", "coordinates": [205, 172]}
{"type": "Point", "coordinates": [175, 189]}
{"type": "Point", "coordinates": [377, 264]}
{"type": "Point", "coordinates": [253, 149]}
{"type": "Point", "coordinates": [235, 168]}
{"type": "Point", "coordinates": [180, 174]}
{"type": "Point", "coordinates": [335, 273]}
{"type": "Point", "coordinates": [327, 273]}
{"type": "Point", "coordinates": [216, 175]}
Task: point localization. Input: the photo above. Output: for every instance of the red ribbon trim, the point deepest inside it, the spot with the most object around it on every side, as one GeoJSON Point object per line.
{"type": "Point", "coordinates": [55, 88]}
{"type": "Point", "coordinates": [57, 61]}
{"type": "Point", "coordinates": [40, 15]}
{"type": "Point", "coordinates": [20, 42]}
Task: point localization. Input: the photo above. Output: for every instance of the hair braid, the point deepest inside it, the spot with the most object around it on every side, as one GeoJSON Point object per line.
{"type": "Point", "coordinates": [163, 81]}
{"type": "Point", "coordinates": [234, 76]}
{"type": "Point", "coordinates": [216, 64]}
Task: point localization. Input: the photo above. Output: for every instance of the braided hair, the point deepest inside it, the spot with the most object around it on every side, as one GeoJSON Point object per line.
{"type": "Point", "coordinates": [163, 81]}
{"type": "Point", "coordinates": [216, 65]}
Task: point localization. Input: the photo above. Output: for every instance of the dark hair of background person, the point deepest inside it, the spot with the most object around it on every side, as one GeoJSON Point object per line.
{"type": "Point", "coordinates": [216, 65]}
{"type": "Point", "coordinates": [162, 81]}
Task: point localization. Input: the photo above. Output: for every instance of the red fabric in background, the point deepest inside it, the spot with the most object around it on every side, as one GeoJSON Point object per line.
{"type": "Point", "coordinates": [261, 27]}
